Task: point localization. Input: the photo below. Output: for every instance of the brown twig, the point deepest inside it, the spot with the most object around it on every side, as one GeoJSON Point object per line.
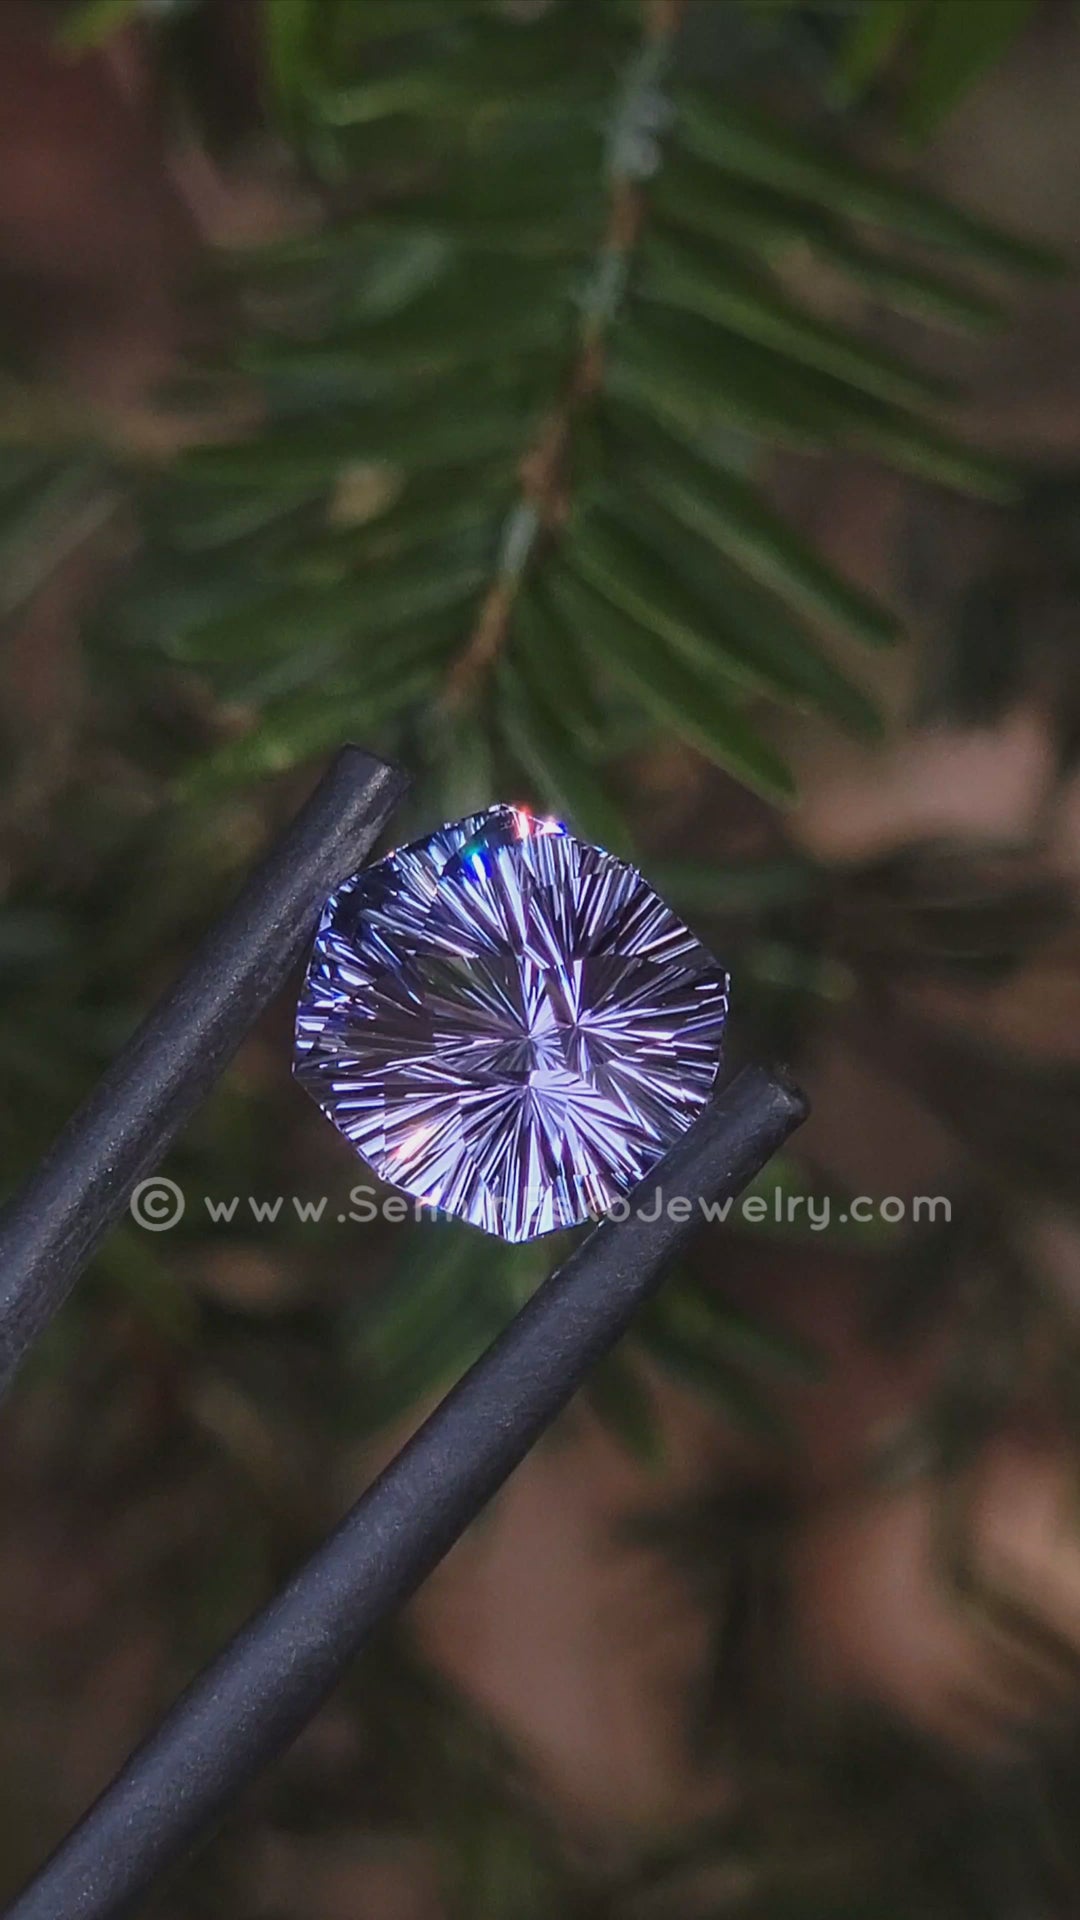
{"type": "Point", "coordinates": [543, 473]}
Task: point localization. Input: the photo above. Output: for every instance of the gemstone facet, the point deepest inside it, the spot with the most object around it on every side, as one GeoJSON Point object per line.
{"type": "Point", "coordinates": [508, 1023]}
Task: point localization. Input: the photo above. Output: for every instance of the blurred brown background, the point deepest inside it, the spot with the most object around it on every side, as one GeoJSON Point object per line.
{"type": "Point", "coordinates": [817, 1653]}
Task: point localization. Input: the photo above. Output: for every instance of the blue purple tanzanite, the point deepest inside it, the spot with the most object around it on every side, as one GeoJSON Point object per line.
{"type": "Point", "coordinates": [508, 1023]}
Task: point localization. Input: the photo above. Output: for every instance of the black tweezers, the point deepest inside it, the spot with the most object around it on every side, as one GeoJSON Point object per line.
{"type": "Point", "coordinates": [255, 1697]}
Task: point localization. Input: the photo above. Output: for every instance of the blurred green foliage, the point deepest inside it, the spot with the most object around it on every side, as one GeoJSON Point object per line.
{"type": "Point", "coordinates": [498, 505]}
{"type": "Point", "coordinates": [508, 414]}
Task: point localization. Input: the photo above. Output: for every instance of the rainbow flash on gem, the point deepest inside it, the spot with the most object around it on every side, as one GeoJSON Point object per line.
{"type": "Point", "coordinates": [508, 1024]}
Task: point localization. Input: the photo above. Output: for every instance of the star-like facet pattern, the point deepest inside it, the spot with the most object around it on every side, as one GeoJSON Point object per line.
{"type": "Point", "coordinates": [508, 1023]}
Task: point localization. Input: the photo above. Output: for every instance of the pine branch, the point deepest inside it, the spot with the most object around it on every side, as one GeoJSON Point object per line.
{"type": "Point", "coordinates": [545, 469]}
{"type": "Point", "coordinates": [405, 360]}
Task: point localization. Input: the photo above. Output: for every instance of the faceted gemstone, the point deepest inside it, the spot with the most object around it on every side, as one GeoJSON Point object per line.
{"type": "Point", "coordinates": [508, 1023]}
